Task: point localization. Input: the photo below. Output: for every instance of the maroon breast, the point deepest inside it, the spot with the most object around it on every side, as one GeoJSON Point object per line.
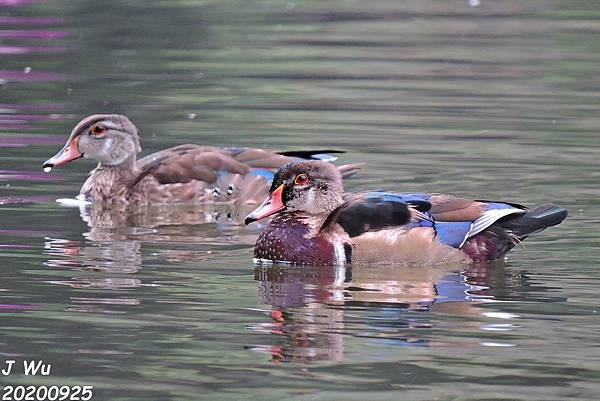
{"type": "Point", "coordinates": [284, 239]}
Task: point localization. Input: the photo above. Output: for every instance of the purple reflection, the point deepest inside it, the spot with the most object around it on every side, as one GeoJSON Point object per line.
{"type": "Point", "coordinates": [26, 117]}
{"type": "Point", "coordinates": [16, 306]}
{"type": "Point", "coordinates": [17, 3]}
{"type": "Point", "coordinates": [13, 200]}
{"type": "Point", "coordinates": [32, 106]}
{"type": "Point", "coordinates": [7, 20]}
{"type": "Point", "coordinates": [33, 34]}
{"type": "Point", "coordinates": [23, 141]}
{"type": "Point", "coordinates": [21, 122]}
{"type": "Point", "coordinates": [31, 49]}
{"type": "Point", "coordinates": [32, 76]}
{"type": "Point", "coordinates": [10, 175]}
{"type": "Point", "coordinates": [15, 126]}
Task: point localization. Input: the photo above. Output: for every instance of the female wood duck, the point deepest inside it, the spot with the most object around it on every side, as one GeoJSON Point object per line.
{"type": "Point", "coordinates": [182, 174]}
{"type": "Point", "coordinates": [317, 224]}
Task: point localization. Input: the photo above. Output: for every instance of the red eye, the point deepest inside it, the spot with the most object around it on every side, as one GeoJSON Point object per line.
{"type": "Point", "coordinates": [97, 130]}
{"type": "Point", "coordinates": [301, 179]}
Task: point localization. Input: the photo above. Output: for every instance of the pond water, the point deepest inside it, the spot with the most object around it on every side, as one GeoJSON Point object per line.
{"type": "Point", "coordinates": [495, 100]}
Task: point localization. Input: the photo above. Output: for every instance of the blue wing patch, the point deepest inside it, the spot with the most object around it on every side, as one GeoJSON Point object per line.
{"type": "Point", "coordinates": [498, 206]}
{"type": "Point", "coordinates": [257, 172]}
{"type": "Point", "coordinates": [267, 174]}
{"type": "Point", "coordinates": [418, 200]}
{"type": "Point", "coordinates": [452, 233]}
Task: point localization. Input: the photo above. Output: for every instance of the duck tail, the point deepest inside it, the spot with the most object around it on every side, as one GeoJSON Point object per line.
{"type": "Point", "coordinates": [348, 170]}
{"type": "Point", "coordinates": [320, 154]}
{"type": "Point", "coordinates": [535, 220]}
{"type": "Point", "coordinates": [499, 238]}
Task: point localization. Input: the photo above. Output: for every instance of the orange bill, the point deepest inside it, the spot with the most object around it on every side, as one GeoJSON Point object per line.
{"type": "Point", "coordinates": [68, 153]}
{"type": "Point", "coordinates": [272, 205]}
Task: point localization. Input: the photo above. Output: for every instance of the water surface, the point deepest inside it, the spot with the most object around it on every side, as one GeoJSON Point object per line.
{"type": "Point", "coordinates": [497, 101]}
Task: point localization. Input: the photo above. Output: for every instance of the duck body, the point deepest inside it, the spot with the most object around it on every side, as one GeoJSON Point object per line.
{"type": "Point", "coordinates": [181, 174]}
{"type": "Point", "coordinates": [386, 227]}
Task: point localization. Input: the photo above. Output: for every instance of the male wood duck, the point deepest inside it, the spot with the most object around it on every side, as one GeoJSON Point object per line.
{"type": "Point", "coordinates": [316, 223]}
{"type": "Point", "coordinates": [182, 174]}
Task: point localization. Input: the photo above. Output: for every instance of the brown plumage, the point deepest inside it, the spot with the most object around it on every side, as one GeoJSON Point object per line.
{"type": "Point", "coordinates": [182, 174]}
{"type": "Point", "coordinates": [414, 246]}
{"type": "Point", "coordinates": [451, 208]}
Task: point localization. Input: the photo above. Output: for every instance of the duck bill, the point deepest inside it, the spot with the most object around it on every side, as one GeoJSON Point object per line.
{"type": "Point", "coordinates": [68, 153]}
{"type": "Point", "coordinates": [272, 205]}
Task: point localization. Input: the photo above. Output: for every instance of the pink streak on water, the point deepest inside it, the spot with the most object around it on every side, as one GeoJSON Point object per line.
{"type": "Point", "coordinates": [31, 49]}
{"type": "Point", "coordinates": [8, 20]}
{"type": "Point", "coordinates": [32, 106]}
{"type": "Point", "coordinates": [15, 141]}
{"type": "Point", "coordinates": [12, 175]}
{"type": "Point", "coordinates": [33, 34]}
{"type": "Point", "coordinates": [33, 76]}
{"type": "Point", "coordinates": [17, 3]}
{"type": "Point", "coordinates": [16, 306]}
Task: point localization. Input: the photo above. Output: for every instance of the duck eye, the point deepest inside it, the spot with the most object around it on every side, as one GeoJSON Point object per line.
{"type": "Point", "coordinates": [301, 179]}
{"type": "Point", "coordinates": [98, 130]}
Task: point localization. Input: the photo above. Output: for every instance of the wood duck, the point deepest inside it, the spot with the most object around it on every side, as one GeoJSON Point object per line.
{"type": "Point", "coordinates": [182, 174]}
{"type": "Point", "coordinates": [316, 223]}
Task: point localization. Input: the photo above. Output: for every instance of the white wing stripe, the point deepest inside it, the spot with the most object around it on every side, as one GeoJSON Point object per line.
{"type": "Point", "coordinates": [488, 218]}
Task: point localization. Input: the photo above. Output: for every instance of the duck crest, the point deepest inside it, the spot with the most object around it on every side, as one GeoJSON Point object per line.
{"type": "Point", "coordinates": [288, 237]}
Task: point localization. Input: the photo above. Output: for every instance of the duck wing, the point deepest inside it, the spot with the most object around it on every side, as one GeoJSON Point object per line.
{"type": "Point", "coordinates": [458, 219]}
{"type": "Point", "coordinates": [374, 211]}
{"type": "Point", "coordinates": [497, 227]}
{"type": "Point", "coordinates": [185, 163]}
{"type": "Point", "coordinates": [453, 219]}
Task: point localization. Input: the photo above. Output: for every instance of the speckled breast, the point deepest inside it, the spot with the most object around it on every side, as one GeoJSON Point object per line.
{"type": "Point", "coordinates": [285, 239]}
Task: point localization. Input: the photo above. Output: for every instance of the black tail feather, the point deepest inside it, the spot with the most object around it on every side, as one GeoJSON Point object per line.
{"type": "Point", "coordinates": [308, 154]}
{"type": "Point", "coordinates": [347, 170]}
{"type": "Point", "coordinates": [537, 219]}
{"type": "Point", "coordinates": [503, 235]}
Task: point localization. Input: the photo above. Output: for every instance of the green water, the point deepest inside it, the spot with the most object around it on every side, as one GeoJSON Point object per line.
{"type": "Point", "coordinates": [497, 101]}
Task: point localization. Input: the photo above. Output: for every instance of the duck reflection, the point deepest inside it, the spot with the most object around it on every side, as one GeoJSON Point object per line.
{"type": "Point", "coordinates": [116, 237]}
{"type": "Point", "coordinates": [178, 224]}
{"type": "Point", "coordinates": [112, 257]}
{"type": "Point", "coordinates": [313, 309]}
{"type": "Point", "coordinates": [107, 222]}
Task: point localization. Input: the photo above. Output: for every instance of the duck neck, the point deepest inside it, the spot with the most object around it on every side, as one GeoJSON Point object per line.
{"type": "Point", "coordinates": [109, 182]}
{"type": "Point", "coordinates": [127, 164]}
{"type": "Point", "coordinates": [314, 222]}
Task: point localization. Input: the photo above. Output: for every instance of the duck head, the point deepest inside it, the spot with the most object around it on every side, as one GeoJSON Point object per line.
{"type": "Point", "coordinates": [312, 187]}
{"type": "Point", "coordinates": [109, 138]}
